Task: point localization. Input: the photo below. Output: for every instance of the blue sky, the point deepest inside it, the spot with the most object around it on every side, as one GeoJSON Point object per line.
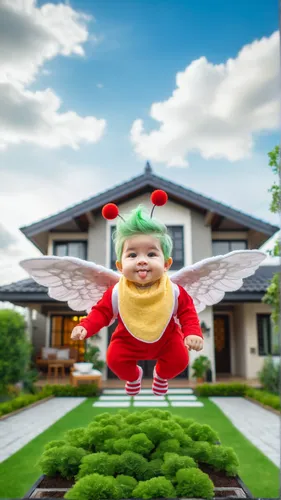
{"type": "Point", "coordinates": [133, 52]}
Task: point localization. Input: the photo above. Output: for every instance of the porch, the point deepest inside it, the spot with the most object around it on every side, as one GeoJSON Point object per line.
{"type": "Point", "coordinates": [146, 384]}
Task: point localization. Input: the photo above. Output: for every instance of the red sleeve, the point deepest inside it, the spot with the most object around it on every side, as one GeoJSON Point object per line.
{"type": "Point", "coordinates": [100, 315]}
{"type": "Point", "coordinates": [187, 315]}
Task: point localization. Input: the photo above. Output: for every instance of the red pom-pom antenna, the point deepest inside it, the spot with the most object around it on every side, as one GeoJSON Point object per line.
{"type": "Point", "coordinates": [110, 211]}
{"type": "Point", "coordinates": [158, 198]}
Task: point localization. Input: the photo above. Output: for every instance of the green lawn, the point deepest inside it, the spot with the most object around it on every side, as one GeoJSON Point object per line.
{"type": "Point", "coordinates": [19, 472]}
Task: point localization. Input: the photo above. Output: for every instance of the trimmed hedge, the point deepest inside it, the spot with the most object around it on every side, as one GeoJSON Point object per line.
{"type": "Point", "coordinates": [207, 390]}
{"type": "Point", "coordinates": [242, 390]}
{"type": "Point", "coordinates": [87, 390]}
{"type": "Point", "coordinates": [265, 398]}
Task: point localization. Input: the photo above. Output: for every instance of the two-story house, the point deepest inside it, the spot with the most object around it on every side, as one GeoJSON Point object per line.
{"type": "Point", "coordinates": [237, 331]}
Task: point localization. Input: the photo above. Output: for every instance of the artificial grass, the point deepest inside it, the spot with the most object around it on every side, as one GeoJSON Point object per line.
{"type": "Point", "coordinates": [261, 476]}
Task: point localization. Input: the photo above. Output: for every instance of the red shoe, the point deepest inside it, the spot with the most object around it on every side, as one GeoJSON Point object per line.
{"type": "Point", "coordinates": [133, 388]}
{"type": "Point", "coordinates": [159, 385]}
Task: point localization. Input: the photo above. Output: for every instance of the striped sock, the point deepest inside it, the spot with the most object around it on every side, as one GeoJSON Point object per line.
{"type": "Point", "coordinates": [159, 385]}
{"type": "Point", "coordinates": [133, 388]}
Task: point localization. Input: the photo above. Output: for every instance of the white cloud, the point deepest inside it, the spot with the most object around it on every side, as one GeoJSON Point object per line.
{"type": "Point", "coordinates": [39, 197]}
{"type": "Point", "coordinates": [29, 37]}
{"type": "Point", "coordinates": [215, 109]}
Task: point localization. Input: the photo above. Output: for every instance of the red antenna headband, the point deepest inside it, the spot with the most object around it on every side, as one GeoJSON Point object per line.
{"type": "Point", "coordinates": [159, 198]}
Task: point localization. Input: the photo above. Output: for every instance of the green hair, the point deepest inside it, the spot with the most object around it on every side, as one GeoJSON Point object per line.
{"type": "Point", "coordinates": [140, 222]}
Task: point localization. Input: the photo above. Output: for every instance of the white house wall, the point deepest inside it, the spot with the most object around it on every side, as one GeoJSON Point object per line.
{"type": "Point", "coordinates": [240, 343]}
{"type": "Point", "coordinates": [254, 362]}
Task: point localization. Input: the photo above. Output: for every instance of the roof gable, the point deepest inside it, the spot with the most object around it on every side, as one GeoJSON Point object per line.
{"type": "Point", "coordinates": [147, 182]}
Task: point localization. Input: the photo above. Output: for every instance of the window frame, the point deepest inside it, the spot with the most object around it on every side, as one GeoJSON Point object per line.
{"type": "Point", "coordinates": [259, 317]}
{"type": "Point", "coordinates": [179, 264]}
{"type": "Point", "coordinates": [227, 240]}
{"type": "Point", "coordinates": [67, 242]}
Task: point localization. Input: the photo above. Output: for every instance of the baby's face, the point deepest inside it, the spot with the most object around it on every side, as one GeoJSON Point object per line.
{"type": "Point", "coordinates": [143, 260]}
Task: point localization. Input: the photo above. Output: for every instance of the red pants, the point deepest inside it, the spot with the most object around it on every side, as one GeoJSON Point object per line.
{"type": "Point", "coordinates": [125, 351]}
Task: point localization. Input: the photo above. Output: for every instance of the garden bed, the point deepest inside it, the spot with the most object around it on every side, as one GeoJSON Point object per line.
{"type": "Point", "coordinates": [148, 454]}
{"type": "Point", "coordinates": [225, 487]}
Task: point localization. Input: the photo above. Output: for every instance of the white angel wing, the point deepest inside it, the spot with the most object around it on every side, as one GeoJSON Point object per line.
{"type": "Point", "coordinates": [79, 283]}
{"type": "Point", "coordinates": [208, 280]}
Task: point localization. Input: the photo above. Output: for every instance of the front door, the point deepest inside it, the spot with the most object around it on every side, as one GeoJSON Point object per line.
{"type": "Point", "coordinates": [222, 343]}
{"type": "Point", "coordinates": [147, 365]}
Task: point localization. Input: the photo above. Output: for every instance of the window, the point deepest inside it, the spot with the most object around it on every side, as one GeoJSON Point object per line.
{"type": "Point", "coordinates": [176, 233]}
{"type": "Point", "coordinates": [113, 257]}
{"type": "Point", "coordinates": [61, 328]}
{"type": "Point", "coordinates": [220, 247]}
{"type": "Point", "coordinates": [268, 339]}
{"type": "Point", "coordinates": [71, 249]}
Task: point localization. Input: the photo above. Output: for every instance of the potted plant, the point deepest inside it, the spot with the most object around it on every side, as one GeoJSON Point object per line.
{"type": "Point", "coordinates": [200, 366]}
{"type": "Point", "coordinates": [92, 355]}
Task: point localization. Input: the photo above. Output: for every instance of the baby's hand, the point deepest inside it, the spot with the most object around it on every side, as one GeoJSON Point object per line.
{"type": "Point", "coordinates": [193, 342]}
{"type": "Point", "coordinates": [78, 333]}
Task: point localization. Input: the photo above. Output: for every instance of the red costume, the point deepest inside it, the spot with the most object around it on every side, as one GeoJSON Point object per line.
{"type": "Point", "coordinates": [125, 351]}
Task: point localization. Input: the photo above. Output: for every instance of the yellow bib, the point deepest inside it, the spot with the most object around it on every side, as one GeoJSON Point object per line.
{"type": "Point", "coordinates": [146, 312]}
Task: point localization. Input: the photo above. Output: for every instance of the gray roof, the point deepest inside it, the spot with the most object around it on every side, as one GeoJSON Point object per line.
{"type": "Point", "coordinates": [144, 183]}
{"type": "Point", "coordinates": [253, 289]}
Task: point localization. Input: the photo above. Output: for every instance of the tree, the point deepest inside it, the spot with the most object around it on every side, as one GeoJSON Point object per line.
{"type": "Point", "coordinates": [272, 295]}
{"type": "Point", "coordinates": [15, 350]}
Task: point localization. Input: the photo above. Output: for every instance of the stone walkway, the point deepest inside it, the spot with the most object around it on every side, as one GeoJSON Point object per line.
{"type": "Point", "coordinates": [176, 397]}
{"type": "Point", "coordinates": [18, 430]}
{"type": "Point", "coordinates": [258, 425]}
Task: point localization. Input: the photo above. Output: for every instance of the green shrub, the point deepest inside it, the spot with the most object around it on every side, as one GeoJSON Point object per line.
{"type": "Point", "coordinates": [21, 402]}
{"type": "Point", "coordinates": [130, 464]}
{"type": "Point", "coordinates": [141, 444]}
{"type": "Point", "coordinates": [199, 432]}
{"type": "Point", "coordinates": [129, 430]}
{"type": "Point", "coordinates": [101, 463]}
{"type": "Point", "coordinates": [269, 376]}
{"type": "Point", "coordinates": [15, 350]}
{"type": "Point", "coordinates": [109, 446]}
{"type": "Point", "coordinates": [155, 430]}
{"type": "Point", "coordinates": [207, 390]}
{"type": "Point", "coordinates": [64, 461]}
{"type": "Point", "coordinates": [200, 451]}
{"type": "Point", "coordinates": [184, 422]}
{"type": "Point", "coordinates": [121, 445]}
{"type": "Point", "coordinates": [108, 419]}
{"type": "Point", "coordinates": [95, 487]}
{"type": "Point", "coordinates": [54, 444]}
{"type": "Point", "coordinates": [77, 437]}
{"type": "Point", "coordinates": [193, 483]}
{"type": "Point", "coordinates": [265, 398]}
{"type": "Point", "coordinates": [151, 469]}
{"type": "Point", "coordinates": [83, 390]}
{"type": "Point", "coordinates": [157, 487]}
{"type": "Point", "coordinates": [104, 449]}
{"type": "Point", "coordinates": [96, 435]}
{"type": "Point", "coordinates": [170, 445]}
{"type": "Point", "coordinates": [126, 484]}
{"type": "Point", "coordinates": [155, 413]}
{"type": "Point", "coordinates": [173, 463]}
{"type": "Point", "coordinates": [224, 458]}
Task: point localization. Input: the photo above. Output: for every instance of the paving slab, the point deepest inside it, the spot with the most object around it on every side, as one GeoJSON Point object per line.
{"type": "Point", "coordinates": [18, 430]}
{"type": "Point", "coordinates": [258, 425]}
